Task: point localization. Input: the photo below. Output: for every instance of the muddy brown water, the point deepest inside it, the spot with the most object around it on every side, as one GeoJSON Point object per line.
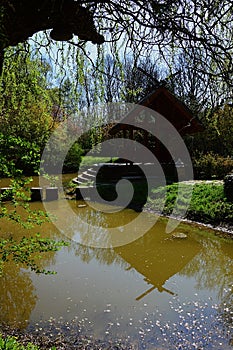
{"type": "Point", "coordinates": [157, 291]}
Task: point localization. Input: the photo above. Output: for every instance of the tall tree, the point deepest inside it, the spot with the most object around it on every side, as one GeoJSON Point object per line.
{"type": "Point", "coordinates": [25, 104]}
{"type": "Point", "coordinates": [25, 112]}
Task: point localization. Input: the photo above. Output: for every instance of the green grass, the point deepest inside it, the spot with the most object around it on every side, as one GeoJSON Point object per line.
{"type": "Point", "coordinates": [90, 160]}
{"type": "Point", "coordinates": [208, 203]}
{"type": "Point", "coordinates": [11, 343]}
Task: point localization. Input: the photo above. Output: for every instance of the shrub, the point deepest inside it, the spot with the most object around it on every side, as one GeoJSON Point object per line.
{"type": "Point", "coordinates": [18, 155]}
{"type": "Point", "coordinates": [73, 158]}
{"type": "Point", "coordinates": [212, 166]}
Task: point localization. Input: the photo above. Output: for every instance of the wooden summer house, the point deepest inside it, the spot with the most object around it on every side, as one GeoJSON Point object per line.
{"type": "Point", "coordinates": [164, 102]}
{"type": "Point", "coordinates": [144, 126]}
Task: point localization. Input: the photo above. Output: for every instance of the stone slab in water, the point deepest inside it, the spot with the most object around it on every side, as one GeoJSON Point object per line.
{"type": "Point", "coordinates": [51, 193]}
{"type": "Point", "coordinates": [179, 235]}
{"type": "Point", "coordinates": [36, 194]}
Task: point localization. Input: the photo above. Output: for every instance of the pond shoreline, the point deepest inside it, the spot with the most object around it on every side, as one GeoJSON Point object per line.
{"type": "Point", "coordinates": [50, 340]}
{"type": "Point", "coordinates": [220, 231]}
{"type": "Point", "coordinates": [207, 208]}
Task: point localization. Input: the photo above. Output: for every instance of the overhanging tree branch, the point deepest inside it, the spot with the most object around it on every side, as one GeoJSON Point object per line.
{"type": "Point", "coordinates": [182, 23]}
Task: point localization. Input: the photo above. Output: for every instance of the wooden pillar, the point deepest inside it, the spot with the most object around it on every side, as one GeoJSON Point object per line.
{"type": "Point", "coordinates": [146, 138]}
{"type": "Point", "coordinates": [125, 137]}
{"type": "Point", "coordinates": [131, 133]}
{"type": "Point", "coordinates": [78, 193]}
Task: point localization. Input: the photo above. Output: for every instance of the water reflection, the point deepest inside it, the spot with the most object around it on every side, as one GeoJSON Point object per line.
{"type": "Point", "coordinates": [88, 226]}
{"type": "Point", "coordinates": [17, 292]}
{"type": "Point", "coordinates": [212, 269]}
{"type": "Point", "coordinates": [157, 257]}
{"type": "Point", "coordinates": [213, 266]}
{"type": "Point", "coordinates": [226, 311]}
{"type": "Point", "coordinates": [154, 270]}
{"type": "Point", "coordinates": [103, 256]}
{"type": "Point", "coordinates": [17, 297]}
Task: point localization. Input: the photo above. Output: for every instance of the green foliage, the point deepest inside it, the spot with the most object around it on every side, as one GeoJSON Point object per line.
{"type": "Point", "coordinates": [52, 179]}
{"type": "Point", "coordinates": [56, 153]}
{"type": "Point", "coordinates": [11, 343]}
{"type": "Point", "coordinates": [73, 158]}
{"type": "Point", "coordinates": [25, 112]}
{"type": "Point", "coordinates": [24, 252]}
{"type": "Point", "coordinates": [220, 129]}
{"type": "Point", "coordinates": [25, 104]}
{"type": "Point", "coordinates": [18, 155]}
{"type": "Point", "coordinates": [208, 204]}
{"type": "Point", "coordinates": [217, 138]}
{"type": "Point", "coordinates": [211, 166]}
{"type": "Point", "coordinates": [18, 191]}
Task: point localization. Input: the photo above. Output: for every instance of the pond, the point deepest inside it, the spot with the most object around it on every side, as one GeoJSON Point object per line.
{"type": "Point", "coordinates": [156, 291]}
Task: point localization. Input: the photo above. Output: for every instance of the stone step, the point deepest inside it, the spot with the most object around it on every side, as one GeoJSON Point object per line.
{"type": "Point", "coordinates": [87, 175]}
{"type": "Point", "coordinates": [83, 178]}
{"type": "Point", "coordinates": [80, 183]}
{"type": "Point", "coordinates": [92, 171]}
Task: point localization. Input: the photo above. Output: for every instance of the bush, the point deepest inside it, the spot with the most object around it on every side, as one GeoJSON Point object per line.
{"type": "Point", "coordinates": [73, 158]}
{"type": "Point", "coordinates": [211, 166]}
{"type": "Point", "coordinates": [18, 155]}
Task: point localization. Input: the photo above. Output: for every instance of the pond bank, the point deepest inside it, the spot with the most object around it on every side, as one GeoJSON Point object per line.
{"type": "Point", "coordinates": [220, 231]}
{"type": "Point", "coordinates": [55, 340]}
{"type": "Point", "coordinates": [208, 206]}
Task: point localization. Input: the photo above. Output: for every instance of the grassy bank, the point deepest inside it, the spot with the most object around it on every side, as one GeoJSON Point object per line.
{"type": "Point", "coordinates": [91, 160]}
{"type": "Point", "coordinates": [208, 204]}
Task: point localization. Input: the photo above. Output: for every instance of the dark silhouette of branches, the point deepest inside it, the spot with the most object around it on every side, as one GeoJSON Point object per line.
{"type": "Point", "coordinates": [143, 25]}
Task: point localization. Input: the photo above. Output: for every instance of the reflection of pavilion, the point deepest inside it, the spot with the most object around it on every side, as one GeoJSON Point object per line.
{"type": "Point", "coordinates": [158, 257]}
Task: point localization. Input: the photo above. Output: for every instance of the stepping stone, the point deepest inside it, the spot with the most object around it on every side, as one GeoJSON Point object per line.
{"type": "Point", "coordinates": [51, 193]}
{"type": "Point", "coordinates": [36, 194]}
{"type": "Point", "coordinates": [179, 235]}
